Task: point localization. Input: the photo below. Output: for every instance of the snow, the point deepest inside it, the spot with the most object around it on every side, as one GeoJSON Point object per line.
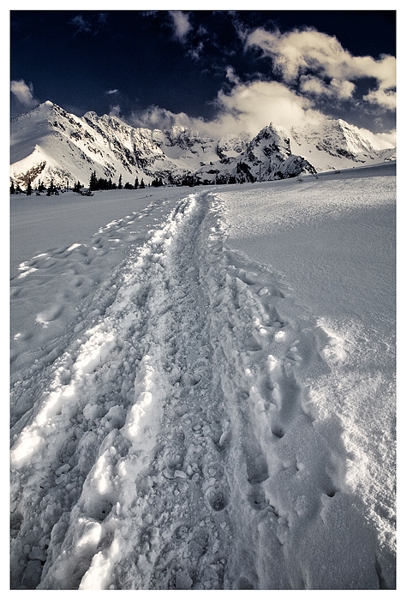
{"type": "Point", "coordinates": [203, 387]}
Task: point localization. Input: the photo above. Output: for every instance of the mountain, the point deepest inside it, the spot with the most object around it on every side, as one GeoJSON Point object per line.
{"type": "Point", "coordinates": [335, 144]}
{"type": "Point", "coordinates": [49, 144]}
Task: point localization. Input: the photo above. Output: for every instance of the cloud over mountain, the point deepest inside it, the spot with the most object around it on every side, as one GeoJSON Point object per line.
{"type": "Point", "coordinates": [23, 94]}
{"type": "Point", "coordinates": [309, 75]}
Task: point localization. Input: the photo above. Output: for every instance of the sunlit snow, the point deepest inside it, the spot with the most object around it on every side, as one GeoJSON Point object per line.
{"type": "Point", "coordinates": [203, 386]}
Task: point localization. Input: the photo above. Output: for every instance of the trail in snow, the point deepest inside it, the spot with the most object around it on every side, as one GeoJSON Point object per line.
{"type": "Point", "coordinates": [172, 443]}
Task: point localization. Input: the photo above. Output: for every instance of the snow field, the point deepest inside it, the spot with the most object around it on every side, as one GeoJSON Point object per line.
{"type": "Point", "coordinates": [175, 435]}
{"type": "Point", "coordinates": [58, 283]}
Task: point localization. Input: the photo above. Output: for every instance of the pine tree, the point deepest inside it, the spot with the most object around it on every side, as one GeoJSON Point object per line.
{"type": "Point", "coordinates": [120, 184]}
{"type": "Point", "coordinates": [51, 189]}
{"type": "Point", "coordinates": [93, 182]}
{"type": "Point", "coordinates": [142, 184]}
{"type": "Point", "coordinates": [12, 188]}
{"type": "Point", "coordinates": [29, 189]}
{"type": "Point", "coordinates": [136, 184]}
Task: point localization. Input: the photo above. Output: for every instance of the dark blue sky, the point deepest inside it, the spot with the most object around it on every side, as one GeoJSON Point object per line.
{"type": "Point", "coordinates": [152, 67]}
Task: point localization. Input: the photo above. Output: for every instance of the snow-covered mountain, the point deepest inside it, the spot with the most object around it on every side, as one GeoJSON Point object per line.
{"type": "Point", "coordinates": [335, 144]}
{"type": "Point", "coordinates": [48, 143]}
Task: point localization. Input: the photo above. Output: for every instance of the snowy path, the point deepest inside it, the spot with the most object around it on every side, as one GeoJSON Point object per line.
{"type": "Point", "coordinates": [170, 442]}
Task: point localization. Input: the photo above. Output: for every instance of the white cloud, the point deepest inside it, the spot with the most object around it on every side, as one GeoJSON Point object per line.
{"type": "Point", "coordinates": [155, 117]}
{"type": "Point", "coordinates": [81, 24]}
{"type": "Point", "coordinates": [231, 75]}
{"type": "Point", "coordinates": [24, 93]}
{"type": "Point", "coordinates": [197, 51]}
{"type": "Point", "coordinates": [181, 25]}
{"type": "Point", "coordinates": [322, 66]}
{"type": "Point", "coordinates": [380, 141]}
{"type": "Point", "coordinates": [312, 85]}
{"type": "Point", "coordinates": [111, 92]}
{"type": "Point", "coordinates": [93, 25]}
{"type": "Point", "coordinates": [254, 105]}
{"type": "Point", "coordinates": [384, 98]}
{"type": "Point", "coordinates": [115, 111]}
{"type": "Point", "coordinates": [248, 107]}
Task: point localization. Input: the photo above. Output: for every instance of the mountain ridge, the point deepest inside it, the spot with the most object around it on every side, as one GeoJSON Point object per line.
{"type": "Point", "coordinates": [50, 144]}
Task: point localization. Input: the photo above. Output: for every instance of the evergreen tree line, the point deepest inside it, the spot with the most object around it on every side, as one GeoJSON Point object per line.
{"type": "Point", "coordinates": [51, 189]}
{"type": "Point", "coordinates": [94, 184]}
{"type": "Point", "coordinates": [99, 183]}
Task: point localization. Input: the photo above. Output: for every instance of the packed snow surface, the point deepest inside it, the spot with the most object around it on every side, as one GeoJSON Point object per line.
{"type": "Point", "coordinates": [203, 387]}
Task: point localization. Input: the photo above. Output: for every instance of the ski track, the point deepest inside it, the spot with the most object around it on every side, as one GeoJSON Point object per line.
{"type": "Point", "coordinates": [169, 442]}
